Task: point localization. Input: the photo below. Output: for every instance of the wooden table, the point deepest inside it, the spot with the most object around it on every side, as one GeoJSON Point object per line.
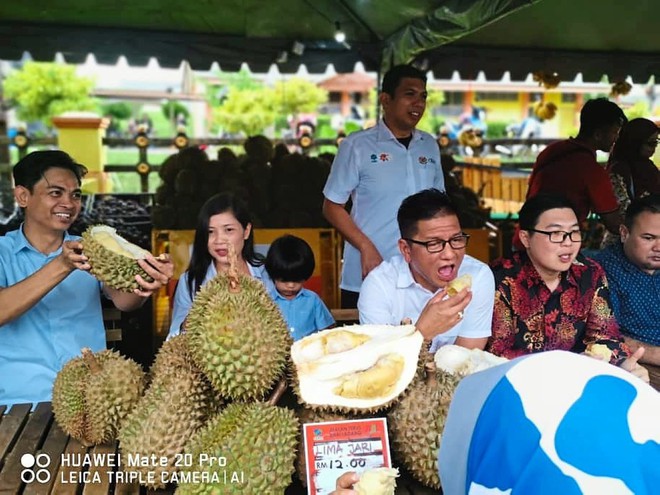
{"type": "Point", "coordinates": [36, 433]}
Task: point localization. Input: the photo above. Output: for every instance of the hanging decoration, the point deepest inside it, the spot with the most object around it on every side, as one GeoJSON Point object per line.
{"type": "Point", "coordinates": [546, 79]}
{"type": "Point", "coordinates": [545, 110]}
{"type": "Point", "coordinates": [620, 88]}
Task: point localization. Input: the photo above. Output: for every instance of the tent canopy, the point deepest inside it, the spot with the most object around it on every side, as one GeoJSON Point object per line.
{"type": "Point", "coordinates": [595, 37]}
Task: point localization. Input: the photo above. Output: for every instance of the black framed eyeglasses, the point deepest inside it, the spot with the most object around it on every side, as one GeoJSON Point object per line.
{"type": "Point", "coordinates": [437, 245]}
{"type": "Point", "coordinates": [559, 236]}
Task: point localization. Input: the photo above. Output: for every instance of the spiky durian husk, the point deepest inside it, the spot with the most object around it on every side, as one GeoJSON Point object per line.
{"type": "Point", "coordinates": [111, 268]}
{"type": "Point", "coordinates": [239, 339]}
{"type": "Point", "coordinates": [416, 424]}
{"type": "Point", "coordinates": [176, 405]}
{"type": "Point", "coordinates": [257, 440]}
{"type": "Point", "coordinates": [90, 405]}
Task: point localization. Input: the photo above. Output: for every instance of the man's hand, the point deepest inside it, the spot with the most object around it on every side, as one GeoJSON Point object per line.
{"type": "Point", "coordinates": [370, 258]}
{"type": "Point", "coordinates": [345, 484]}
{"type": "Point", "coordinates": [161, 269]}
{"type": "Point", "coordinates": [631, 364]}
{"type": "Point", "coordinates": [72, 256]}
{"type": "Point", "coordinates": [441, 313]}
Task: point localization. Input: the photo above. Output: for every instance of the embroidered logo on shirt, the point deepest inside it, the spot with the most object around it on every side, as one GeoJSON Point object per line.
{"type": "Point", "coordinates": [384, 157]}
{"type": "Point", "coordinates": [423, 160]}
{"type": "Point", "coordinates": [374, 158]}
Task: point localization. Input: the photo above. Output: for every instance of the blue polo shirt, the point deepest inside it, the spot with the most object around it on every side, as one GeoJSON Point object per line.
{"type": "Point", "coordinates": [304, 314]}
{"type": "Point", "coordinates": [635, 295]}
{"type": "Point", "coordinates": [35, 346]}
{"type": "Point", "coordinates": [378, 172]}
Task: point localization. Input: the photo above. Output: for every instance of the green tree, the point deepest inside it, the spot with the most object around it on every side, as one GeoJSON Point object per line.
{"type": "Point", "coordinates": [119, 110]}
{"type": "Point", "coordinates": [298, 96]}
{"type": "Point", "coordinates": [249, 111]}
{"type": "Point", "coordinates": [41, 91]}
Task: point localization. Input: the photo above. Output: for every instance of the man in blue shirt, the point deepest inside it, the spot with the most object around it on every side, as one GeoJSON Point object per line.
{"type": "Point", "coordinates": [49, 302]}
{"type": "Point", "coordinates": [633, 273]}
{"type": "Point", "coordinates": [377, 168]}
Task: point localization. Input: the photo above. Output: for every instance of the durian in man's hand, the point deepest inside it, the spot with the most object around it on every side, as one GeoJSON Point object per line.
{"type": "Point", "coordinates": [113, 258]}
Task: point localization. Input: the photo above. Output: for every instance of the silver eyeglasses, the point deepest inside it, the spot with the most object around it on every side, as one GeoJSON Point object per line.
{"type": "Point", "coordinates": [437, 245]}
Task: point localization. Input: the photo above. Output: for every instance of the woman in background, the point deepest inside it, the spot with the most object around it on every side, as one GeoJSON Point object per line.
{"type": "Point", "coordinates": [632, 172]}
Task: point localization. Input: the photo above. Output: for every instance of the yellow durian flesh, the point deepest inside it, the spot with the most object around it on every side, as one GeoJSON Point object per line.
{"type": "Point", "coordinates": [377, 481]}
{"type": "Point", "coordinates": [363, 379]}
{"type": "Point", "coordinates": [458, 284]}
{"type": "Point", "coordinates": [377, 381]}
{"type": "Point", "coordinates": [109, 239]}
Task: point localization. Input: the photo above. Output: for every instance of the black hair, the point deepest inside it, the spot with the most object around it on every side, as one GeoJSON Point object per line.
{"type": "Point", "coordinates": [631, 138]}
{"type": "Point", "coordinates": [598, 114]}
{"type": "Point", "coordinates": [201, 258]}
{"type": "Point", "coordinates": [424, 205]}
{"type": "Point", "coordinates": [393, 77]}
{"type": "Point", "coordinates": [290, 259]}
{"type": "Point", "coordinates": [535, 206]}
{"type": "Point", "coordinates": [650, 203]}
{"type": "Point", "coordinates": [31, 168]}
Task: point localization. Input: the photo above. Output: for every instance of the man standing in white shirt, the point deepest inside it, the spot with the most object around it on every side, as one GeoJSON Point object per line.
{"type": "Point", "coordinates": [377, 168]}
{"type": "Point", "coordinates": [412, 285]}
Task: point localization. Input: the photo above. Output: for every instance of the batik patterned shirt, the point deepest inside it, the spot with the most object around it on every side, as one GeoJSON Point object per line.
{"type": "Point", "coordinates": [529, 318]}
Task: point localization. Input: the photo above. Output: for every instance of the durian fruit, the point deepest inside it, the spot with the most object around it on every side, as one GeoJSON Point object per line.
{"type": "Point", "coordinates": [175, 406]}
{"type": "Point", "coordinates": [377, 481]}
{"type": "Point", "coordinates": [599, 351]}
{"type": "Point", "coordinates": [417, 420]}
{"type": "Point", "coordinates": [359, 368]}
{"type": "Point", "coordinates": [415, 424]}
{"type": "Point", "coordinates": [113, 258]}
{"type": "Point", "coordinates": [459, 361]}
{"type": "Point", "coordinates": [238, 336]}
{"type": "Point", "coordinates": [257, 441]}
{"type": "Point", "coordinates": [93, 394]}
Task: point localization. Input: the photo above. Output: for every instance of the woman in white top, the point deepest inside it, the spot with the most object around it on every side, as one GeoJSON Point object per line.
{"type": "Point", "coordinates": [223, 218]}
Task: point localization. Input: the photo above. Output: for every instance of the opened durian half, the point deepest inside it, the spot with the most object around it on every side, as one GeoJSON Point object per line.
{"type": "Point", "coordinates": [113, 258]}
{"type": "Point", "coordinates": [360, 368]}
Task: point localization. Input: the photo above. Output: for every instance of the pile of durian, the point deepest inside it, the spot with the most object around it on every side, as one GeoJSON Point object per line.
{"type": "Point", "coordinates": [213, 392]}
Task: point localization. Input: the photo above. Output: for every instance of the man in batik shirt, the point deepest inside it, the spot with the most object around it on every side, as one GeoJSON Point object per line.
{"type": "Point", "coordinates": [549, 297]}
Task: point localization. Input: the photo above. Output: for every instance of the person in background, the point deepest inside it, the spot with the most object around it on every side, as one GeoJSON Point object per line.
{"type": "Point", "coordinates": [289, 264]}
{"type": "Point", "coordinates": [50, 305]}
{"type": "Point", "coordinates": [377, 168]}
{"type": "Point", "coordinates": [570, 168]}
{"type": "Point", "coordinates": [550, 297]}
{"type": "Point", "coordinates": [633, 272]}
{"type": "Point", "coordinates": [412, 285]}
{"type": "Point", "coordinates": [223, 219]}
{"type": "Point", "coordinates": [631, 170]}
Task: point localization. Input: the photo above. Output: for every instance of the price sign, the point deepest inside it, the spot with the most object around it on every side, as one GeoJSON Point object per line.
{"type": "Point", "coordinates": [335, 447]}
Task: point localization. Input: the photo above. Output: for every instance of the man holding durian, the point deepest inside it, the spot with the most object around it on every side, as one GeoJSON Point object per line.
{"type": "Point", "coordinates": [49, 302]}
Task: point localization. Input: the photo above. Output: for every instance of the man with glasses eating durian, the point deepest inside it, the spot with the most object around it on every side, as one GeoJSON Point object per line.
{"type": "Point", "coordinates": [416, 285]}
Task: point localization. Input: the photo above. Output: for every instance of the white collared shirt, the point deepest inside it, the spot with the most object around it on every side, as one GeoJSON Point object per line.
{"type": "Point", "coordinates": [389, 294]}
{"type": "Point", "coordinates": [377, 172]}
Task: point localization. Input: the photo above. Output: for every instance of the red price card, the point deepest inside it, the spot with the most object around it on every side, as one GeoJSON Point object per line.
{"type": "Point", "coordinates": [335, 447]}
